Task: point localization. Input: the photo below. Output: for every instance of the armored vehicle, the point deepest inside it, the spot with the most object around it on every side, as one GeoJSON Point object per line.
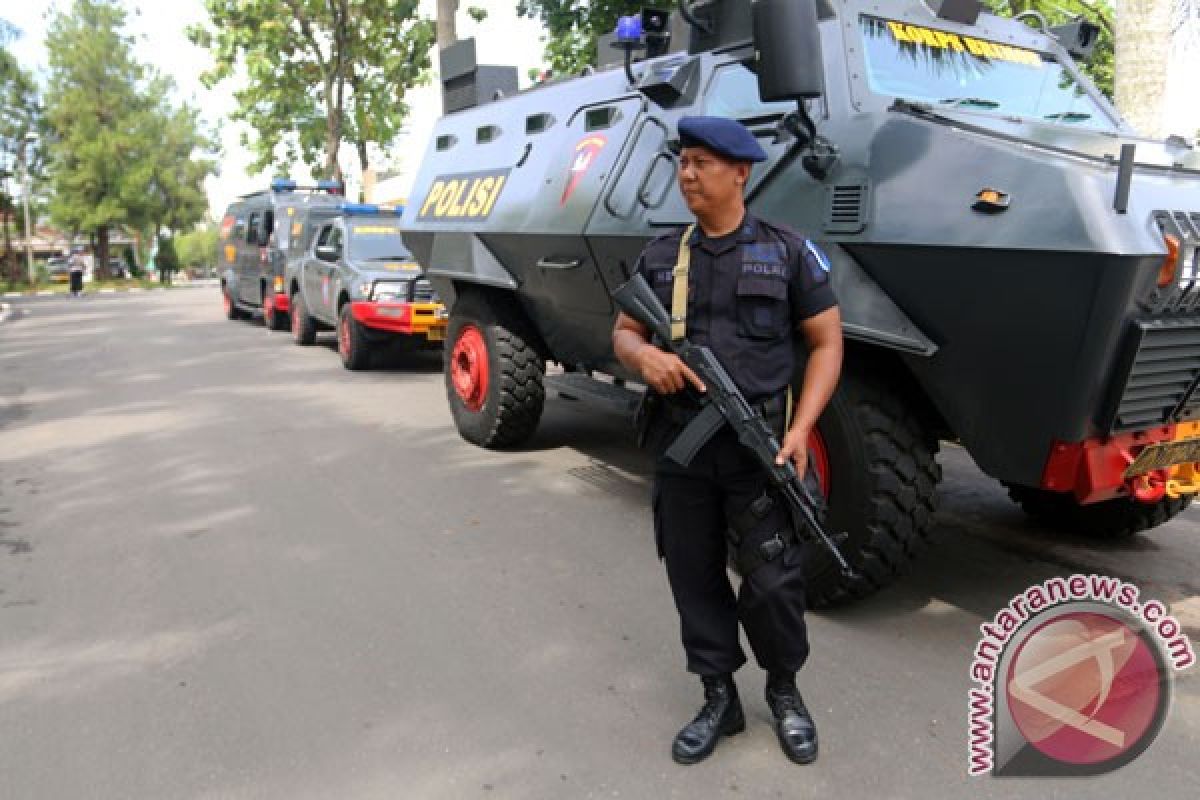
{"type": "Point", "coordinates": [357, 277]}
{"type": "Point", "coordinates": [1016, 267]}
{"type": "Point", "coordinates": [256, 235]}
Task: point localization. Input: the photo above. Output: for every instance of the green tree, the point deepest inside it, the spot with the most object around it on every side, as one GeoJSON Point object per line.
{"type": "Point", "coordinates": [198, 248]}
{"type": "Point", "coordinates": [318, 73]}
{"type": "Point", "coordinates": [20, 155]}
{"type": "Point", "coordinates": [1056, 12]}
{"type": "Point", "coordinates": [119, 153]}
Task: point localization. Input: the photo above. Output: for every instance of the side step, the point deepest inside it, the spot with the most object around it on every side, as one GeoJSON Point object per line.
{"type": "Point", "coordinates": [617, 397]}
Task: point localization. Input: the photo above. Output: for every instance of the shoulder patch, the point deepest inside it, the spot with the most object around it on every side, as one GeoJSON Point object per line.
{"type": "Point", "coordinates": [817, 255]}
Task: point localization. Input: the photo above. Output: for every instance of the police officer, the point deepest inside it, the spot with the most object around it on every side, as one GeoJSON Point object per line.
{"type": "Point", "coordinates": [744, 288]}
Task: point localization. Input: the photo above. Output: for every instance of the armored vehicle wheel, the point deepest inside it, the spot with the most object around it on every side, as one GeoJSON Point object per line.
{"type": "Point", "coordinates": [304, 327]}
{"type": "Point", "coordinates": [353, 345]}
{"type": "Point", "coordinates": [875, 461]}
{"type": "Point", "coordinates": [493, 374]}
{"type": "Point", "coordinates": [1118, 518]}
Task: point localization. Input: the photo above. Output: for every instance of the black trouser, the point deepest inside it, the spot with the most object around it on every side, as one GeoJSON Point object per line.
{"type": "Point", "coordinates": [76, 281]}
{"type": "Point", "coordinates": [692, 509]}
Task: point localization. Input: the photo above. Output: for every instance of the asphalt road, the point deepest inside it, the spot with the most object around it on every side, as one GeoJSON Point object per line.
{"type": "Point", "coordinates": [230, 569]}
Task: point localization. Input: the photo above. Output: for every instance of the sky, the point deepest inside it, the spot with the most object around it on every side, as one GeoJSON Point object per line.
{"type": "Point", "coordinates": [163, 43]}
{"type": "Point", "coordinates": [502, 38]}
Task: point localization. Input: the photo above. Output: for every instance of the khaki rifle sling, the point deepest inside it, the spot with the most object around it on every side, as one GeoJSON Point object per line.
{"type": "Point", "coordinates": [679, 290]}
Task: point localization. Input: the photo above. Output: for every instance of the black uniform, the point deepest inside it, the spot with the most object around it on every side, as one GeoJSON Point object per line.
{"type": "Point", "coordinates": [747, 293]}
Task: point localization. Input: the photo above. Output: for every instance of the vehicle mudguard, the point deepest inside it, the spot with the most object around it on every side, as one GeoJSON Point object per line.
{"type": "Point", "coordinates": [464, 257]}
{"type": "Point", "coordinates": [868, 313]}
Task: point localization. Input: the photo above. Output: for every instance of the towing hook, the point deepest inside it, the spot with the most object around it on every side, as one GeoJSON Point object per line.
{"type": "Point", "coordinates": [1149, 487]}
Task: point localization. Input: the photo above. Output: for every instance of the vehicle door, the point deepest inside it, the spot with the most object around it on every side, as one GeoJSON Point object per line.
{"type": "Point", "coordinates": [247, 261]}
{"type": "Point", "coordinates": [329, 272]}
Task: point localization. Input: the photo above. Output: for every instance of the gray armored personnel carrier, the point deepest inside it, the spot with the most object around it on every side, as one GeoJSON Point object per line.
{"type": "Point", "coordinates": [1016, 266]}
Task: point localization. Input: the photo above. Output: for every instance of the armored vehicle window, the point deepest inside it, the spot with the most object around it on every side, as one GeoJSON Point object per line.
{"type": "Point", "coordinates": [446, 141]}
{"type": "Point", "coordinates": [252, 229]}
{"type": "Point", "coordinates": [734, 94]}
{"type": "Point", "coordinates": [239, 228]}
{"type": "Point", "coordinates": [596, 119]}
{"type": "Point", "coordinates": [970, 74]}
{"type": "Point", "coordinates": [376, 240]}
{"type": "Point", "coordinates": [486, 133]}
{"type": "Point", "coordinates": [538, 123]}
{"type": "Point", "coordinates": [323, 236]}
{"type": "Point", "coordinates": [335, 237]}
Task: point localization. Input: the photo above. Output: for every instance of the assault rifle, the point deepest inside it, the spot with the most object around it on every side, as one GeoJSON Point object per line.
{"type": "Point", "coordinates": [724, 404]}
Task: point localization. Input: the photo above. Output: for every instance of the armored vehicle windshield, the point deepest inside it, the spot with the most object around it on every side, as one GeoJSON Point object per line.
{"type": "Point", "coordinates": [948, 69]}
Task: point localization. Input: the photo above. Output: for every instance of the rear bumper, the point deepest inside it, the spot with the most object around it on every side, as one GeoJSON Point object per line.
{"type": "Point", "coordinates": [1094, 470]}
{"type": "Point", "coordinates": [409, 319]}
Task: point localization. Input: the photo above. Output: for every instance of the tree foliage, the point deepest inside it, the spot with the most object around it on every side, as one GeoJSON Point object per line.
{"type": "Point", "coordinates": [573, 25]}
{"type": "Point", "coordinates": [1056, 12]}
{"type": "Point", "coordinates": [118, 153]}
{"type": "Point", "coordinates": [317, 73]}
{"type": "Point", "coordinates": [20, 157]}
{"type": "Point", "coordinates": [197, 247]}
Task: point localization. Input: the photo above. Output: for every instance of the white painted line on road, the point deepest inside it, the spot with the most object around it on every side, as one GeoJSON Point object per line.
{"type": "Point", "coordinates": [108, 291]}
{"type": "Point", "coordinates": [12, 294]}
{"type": "Point", "coordinates": [45, 294]}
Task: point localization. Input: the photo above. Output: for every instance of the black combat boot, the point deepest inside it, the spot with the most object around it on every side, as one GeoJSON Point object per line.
{"type": "Point", "coordinates": [793, 725]}
{"type": "Point", "coordinates": [721, 716]}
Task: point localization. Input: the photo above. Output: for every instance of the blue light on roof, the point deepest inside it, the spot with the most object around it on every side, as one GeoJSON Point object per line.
{"type": "Point", "coordinates": [360, 208]}
{"type": "Point", "coordinates": [629, 29]}
{"type": "Point", "coordinates": [283, 185]}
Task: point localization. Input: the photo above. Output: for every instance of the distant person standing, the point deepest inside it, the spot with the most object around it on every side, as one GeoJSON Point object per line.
{"type": "Point", "coordinates": [75, 271]}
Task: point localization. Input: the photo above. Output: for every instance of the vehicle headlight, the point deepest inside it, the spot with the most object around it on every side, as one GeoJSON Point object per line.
{"type": "Point", "coordinates": [390, 290]}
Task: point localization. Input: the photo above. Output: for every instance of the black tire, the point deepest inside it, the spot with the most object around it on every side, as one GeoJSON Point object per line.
{"type": "Point", "coordinates": [511, 406]}
{"type": "Point", "coordinates": [883, 488]}
{"type": "Point", "coordinates": [1119, 518]}
{"type": "Point", "coordinates": [304, 327]}
{"type": "Point", "coordinates": [353, 345]}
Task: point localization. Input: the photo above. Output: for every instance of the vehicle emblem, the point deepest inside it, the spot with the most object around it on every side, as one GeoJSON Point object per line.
{"type": "Point", "coordinates": [586, 152]}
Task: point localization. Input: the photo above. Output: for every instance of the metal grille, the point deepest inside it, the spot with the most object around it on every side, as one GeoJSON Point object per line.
{"type": "Point", "coordinates": [1183, 296]}
{"type": "Point", "coordinates": [846, 208]}
{"type": "Point", "coordinates": [1163, 358]}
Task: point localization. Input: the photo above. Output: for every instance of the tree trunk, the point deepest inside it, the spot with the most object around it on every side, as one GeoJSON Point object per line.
{"type": "Point", "coordinates": [447, 32]}
{"type": "Point", "coordinates": [368, 174]}
{"type": "Point", "coordinates": [100, 269]}
{"type": "Point", "coordinates": [1141, 52]}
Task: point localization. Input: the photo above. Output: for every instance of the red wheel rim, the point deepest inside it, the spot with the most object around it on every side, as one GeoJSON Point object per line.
{"type": "Point", "coordinates": [269, 313]}
{"type": "Point", "coordinates": [225, 302]}
{"type": "Point", "coordinates": [820, 458]}
{"type": "Point", "coordinates": [469, 367]}
{"type": "Point", "coordinates": [295, 318]}
{"type": "Point", "coordinates": [344, 336]}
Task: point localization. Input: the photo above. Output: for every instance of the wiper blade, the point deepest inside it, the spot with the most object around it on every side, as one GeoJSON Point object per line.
{"type": "Point", "coordinates": [974, 102]}
{"type": "Point", "coordinates": [1068, 116]}
{"type": "Point", "coordinates": [390, 258]}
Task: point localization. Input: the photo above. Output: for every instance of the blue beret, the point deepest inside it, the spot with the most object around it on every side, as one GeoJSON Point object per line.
{"type": "Point", "coordinates": [725, 137]}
